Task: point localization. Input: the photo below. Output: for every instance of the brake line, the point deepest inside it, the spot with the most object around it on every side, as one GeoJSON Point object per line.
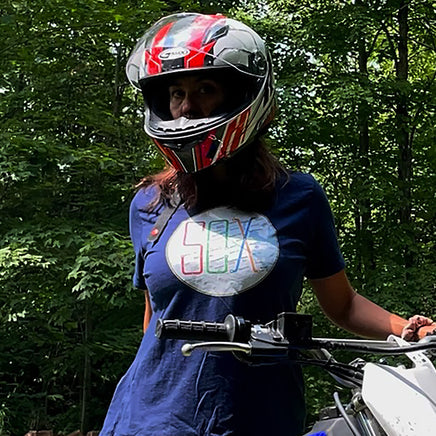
{"type": "Point", "coordinates": [344, 414]}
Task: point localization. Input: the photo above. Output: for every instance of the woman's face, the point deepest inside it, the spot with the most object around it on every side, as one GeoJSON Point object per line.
{"type": "Point", "coordinates": [195, 97]}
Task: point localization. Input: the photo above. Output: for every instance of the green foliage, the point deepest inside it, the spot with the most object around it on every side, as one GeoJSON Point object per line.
{"type": "Point", "coordinates": [65, 298]}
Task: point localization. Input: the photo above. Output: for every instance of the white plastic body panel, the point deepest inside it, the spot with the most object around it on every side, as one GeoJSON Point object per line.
{"type": "Point", "coordinates": [403, 400]}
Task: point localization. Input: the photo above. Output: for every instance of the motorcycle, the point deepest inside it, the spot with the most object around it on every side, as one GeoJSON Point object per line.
{"type": "Point", "coordinates": [385, 400]}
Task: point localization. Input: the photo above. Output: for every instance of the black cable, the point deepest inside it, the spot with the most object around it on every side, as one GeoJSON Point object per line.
{"type": "Point", "coordinates": [332, 361]}
{"type": "Point", "coordinates": [353, 377]}
{"type": "Point", "coordinates": [389, 350]}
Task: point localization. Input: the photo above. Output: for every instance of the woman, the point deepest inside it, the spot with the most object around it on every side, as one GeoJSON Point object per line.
{"type": "Point", "coordinates": [225, 229]}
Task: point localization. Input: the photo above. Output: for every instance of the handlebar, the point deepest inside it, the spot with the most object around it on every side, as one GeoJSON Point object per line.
{"type": "Point", "coordinates": [275, 339]}
{"type": "Point", "coordinates": [287, 338]}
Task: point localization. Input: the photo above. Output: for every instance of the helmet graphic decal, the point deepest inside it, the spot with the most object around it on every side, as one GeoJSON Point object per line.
{"type": "Point", "coordinates": [176, 46]}
{"type": "Point", "coordinates": [205, 152]}
{"type": "Point", "coordinates": [234, 134]}
{"type": "Point", "coordinates": [173, 53]}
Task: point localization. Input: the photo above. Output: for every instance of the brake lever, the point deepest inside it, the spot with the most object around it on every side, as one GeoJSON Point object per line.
{"type": "Point", "coordinates": [188, 349]}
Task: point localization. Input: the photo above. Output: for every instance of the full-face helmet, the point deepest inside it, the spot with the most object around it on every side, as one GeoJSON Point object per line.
{"type": "Point", "coordinates": [213, 46]}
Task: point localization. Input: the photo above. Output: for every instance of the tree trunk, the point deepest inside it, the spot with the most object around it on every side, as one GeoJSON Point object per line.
{"type": "Point", "coordinates": [118, 87]}
{"type": "Point", "coordinates": [363, 210]}
{"type": "Point", "coordinates": [403, 127]}
{"type": "Point", "coordinates": [86, 383]}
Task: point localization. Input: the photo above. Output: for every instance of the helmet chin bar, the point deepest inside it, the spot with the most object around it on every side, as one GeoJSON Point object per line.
{"type": "Point", "coordinates": [184, 144]}
{"type": "Point", "coordinates": [190, 155]}
{"type": "Point", "coordinates": [180, 128]}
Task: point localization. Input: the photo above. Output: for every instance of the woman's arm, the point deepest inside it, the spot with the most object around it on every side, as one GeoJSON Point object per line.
{"type": "Point", "coordinates": [355, 313]}
{"type": "Point", "coordinates": [148, 311]}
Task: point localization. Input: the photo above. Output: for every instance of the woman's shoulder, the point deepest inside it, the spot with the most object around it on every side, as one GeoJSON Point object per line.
{"type": "Point", "coordinates": [302, 189]}
{"type": "Point", "coordinates": [299, 181]}
{"type": "Point", "coordinates": [301, 177]}
{"type": "Point", "coordinates": [146, 199]}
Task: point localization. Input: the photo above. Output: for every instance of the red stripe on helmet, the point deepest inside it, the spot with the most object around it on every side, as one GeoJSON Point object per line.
{"type": "Point", "coordinates": [240, 130]}
{"type": "Point", "coordinates": [202, 156]}
{"type": "Point", "coordinates": [234, 134]}
{"type": "Point", "coordinates": [200, 27]}
{"type": "Point", "coordinates": [161, 34]}
{"type": "Point", "coordinates": [197, 60]}
{"type": "Point", "coordinates": [170, 156]}
{"type": "Point", "coordinates": [154, 64]}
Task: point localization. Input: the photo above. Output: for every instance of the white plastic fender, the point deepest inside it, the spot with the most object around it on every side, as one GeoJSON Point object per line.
{"type": "Point", "coordinates": [403, 400]}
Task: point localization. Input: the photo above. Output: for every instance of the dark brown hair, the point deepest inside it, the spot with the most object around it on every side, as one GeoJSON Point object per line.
{"type": "Point", "coordinates": [251, 176]}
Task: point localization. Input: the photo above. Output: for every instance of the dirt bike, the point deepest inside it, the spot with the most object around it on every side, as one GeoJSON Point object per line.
{"type": "Point", "coordinates": [384, 399]}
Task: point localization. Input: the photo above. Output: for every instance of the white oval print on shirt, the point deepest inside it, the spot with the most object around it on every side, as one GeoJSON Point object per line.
{"type": "Point", "coordinates": [223, 251]}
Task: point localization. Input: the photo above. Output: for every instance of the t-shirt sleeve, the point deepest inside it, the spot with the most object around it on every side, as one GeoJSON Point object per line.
{"type": "Point", "coordinates": [325, 257]}
{"type": "Point", "coordinates": [141, 222]}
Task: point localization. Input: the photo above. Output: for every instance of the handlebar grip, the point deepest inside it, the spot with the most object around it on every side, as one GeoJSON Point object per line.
{"type": "Point", "coordinates": [191, 330]}
{"type": "Point", "coordinates": [233, 329]}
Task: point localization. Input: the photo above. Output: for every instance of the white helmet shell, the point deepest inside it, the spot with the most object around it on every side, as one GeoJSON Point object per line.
{"type": "Point", "coordinates": [209, 45]}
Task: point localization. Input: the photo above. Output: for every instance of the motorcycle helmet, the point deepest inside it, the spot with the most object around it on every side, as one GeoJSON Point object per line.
{"type": "Point", "coordinates": [219, 48]}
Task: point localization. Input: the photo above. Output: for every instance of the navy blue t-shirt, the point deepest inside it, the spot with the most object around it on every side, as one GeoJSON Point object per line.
{"type": "Point", "coordinates": [204, 267]}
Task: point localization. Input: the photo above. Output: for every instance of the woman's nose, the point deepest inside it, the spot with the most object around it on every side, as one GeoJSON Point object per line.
{"type": "Point", "coordinates": [189, 108]}
{"type": "Point", "coordinates": [186, 105]}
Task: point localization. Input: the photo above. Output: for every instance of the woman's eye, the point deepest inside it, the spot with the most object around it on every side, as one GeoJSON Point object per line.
{"type": "Point", "coordinates": [176, 93]}
{"type": "Point", "coordinates": [207, 89]}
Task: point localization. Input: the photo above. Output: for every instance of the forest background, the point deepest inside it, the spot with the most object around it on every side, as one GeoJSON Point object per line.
{"type": "Point", "coordinates": [357, 98]}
